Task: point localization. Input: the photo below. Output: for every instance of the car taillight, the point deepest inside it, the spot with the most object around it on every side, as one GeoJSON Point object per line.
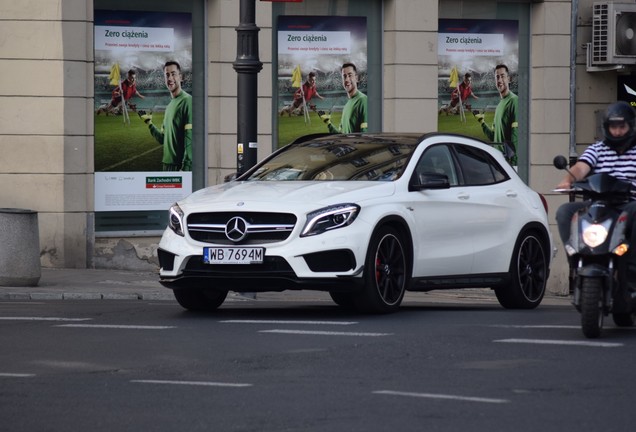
{"type": "Point", "coordinates": [544, 202]}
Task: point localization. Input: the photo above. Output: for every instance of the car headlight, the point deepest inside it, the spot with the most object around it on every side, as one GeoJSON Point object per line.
{"type": "Point", "coordinates": [595, 234]}
{"type": "Point", "coordinates": [175, 220]}
{"type": "Point", "coordinates": [329, 218]}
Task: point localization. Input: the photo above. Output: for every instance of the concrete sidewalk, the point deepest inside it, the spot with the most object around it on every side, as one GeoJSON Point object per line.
{"type": "Point", "coordinates": [100, 284]}
{"type": "Point", "coordinates": [90, 284]}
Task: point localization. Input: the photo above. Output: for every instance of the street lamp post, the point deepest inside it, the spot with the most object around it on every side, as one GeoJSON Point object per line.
{"type": "Point", "coordinates": [247, 65]}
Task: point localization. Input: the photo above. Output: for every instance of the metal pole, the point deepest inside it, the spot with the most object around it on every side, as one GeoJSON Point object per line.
{"type": "Point", "coordinates": [573, 43]}
{"type": "Point", "coordinates": [247, 66]}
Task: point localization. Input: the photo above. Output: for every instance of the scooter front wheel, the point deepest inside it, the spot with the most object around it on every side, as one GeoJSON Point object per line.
{"type": "Point", "coordinates": [591, 307]}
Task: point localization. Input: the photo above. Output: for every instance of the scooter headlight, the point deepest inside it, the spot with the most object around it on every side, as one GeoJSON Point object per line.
{"type": "Point", "coordinates": [595, 234]}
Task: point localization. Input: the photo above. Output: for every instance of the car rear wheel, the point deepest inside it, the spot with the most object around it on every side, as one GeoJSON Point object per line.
{"type": "Point", "coordinates": [386, 273]}
{"type": "Point", "coordinates": [528, 274]}
{"type": "Point", "coordinates": [199, 300]}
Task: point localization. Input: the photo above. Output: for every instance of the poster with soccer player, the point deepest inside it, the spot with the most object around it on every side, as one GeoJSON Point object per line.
{"type": "Point", "coordinates": [143, 109]}
{"type": "Point", "coordinates": [477, 81]}
{"type": "Point", "coordinates": [322, 75]}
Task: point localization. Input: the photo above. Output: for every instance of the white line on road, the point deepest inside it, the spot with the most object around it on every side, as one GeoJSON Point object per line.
{"type": "Point", "coordinates": [43, 319]}
{"type": "Point", "coordinates": [192, 383]}
{"type": "Point", "coordinates": [289, 322]}
{"type": "Point", "coordinates": [442, 396]}
{"type": "Point", "coordinates": [114, 326]}
{"type": "Point", "coordinates": [546, 326]}
{"type": "Point", "coordinates": [324, 333]}
{"type": "Point", "coordinates": [561, 342]}
{"type": "Point", "coordinates": [16, 375]}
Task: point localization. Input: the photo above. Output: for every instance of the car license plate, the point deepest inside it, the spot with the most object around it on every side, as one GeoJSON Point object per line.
{"type": "Point", "coordinates": [233, 255]}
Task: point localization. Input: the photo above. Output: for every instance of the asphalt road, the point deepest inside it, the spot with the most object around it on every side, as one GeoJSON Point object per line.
{"type": "Point", "coordinates": [123, 365]}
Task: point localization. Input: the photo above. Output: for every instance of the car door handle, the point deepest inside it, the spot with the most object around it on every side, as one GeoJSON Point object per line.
{"type": "Point", "coordinates": [511, 194]}
{"type": "Point", "coordinates": [463, 196]}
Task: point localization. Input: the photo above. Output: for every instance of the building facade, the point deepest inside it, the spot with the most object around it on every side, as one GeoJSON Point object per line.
{"type": "Point", "coordinates": [49, 99]}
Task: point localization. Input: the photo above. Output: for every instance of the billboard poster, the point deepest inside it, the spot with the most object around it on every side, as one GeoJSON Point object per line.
{"type": "Point", "coordinates": [143, 109]}
{"type": "Point", "coordinates": [322, 75]}
{"type": "Point", "coordinates": [477, 81]}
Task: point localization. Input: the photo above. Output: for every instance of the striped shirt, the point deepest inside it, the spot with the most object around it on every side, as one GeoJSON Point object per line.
{"type": "Point", "coordinates": [603, 159]}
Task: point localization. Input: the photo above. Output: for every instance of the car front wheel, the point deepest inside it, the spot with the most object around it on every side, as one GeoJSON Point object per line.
{"type": "Point", "coordinates": [199, 300]}
{"type": "Point", "coordinates": [386, 273]}
{"type": "Point", "coordinates": [528, 274]}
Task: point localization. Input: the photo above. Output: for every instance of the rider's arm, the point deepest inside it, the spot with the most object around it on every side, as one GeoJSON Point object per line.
{"type": "Point", "coordinates": [578, 171]}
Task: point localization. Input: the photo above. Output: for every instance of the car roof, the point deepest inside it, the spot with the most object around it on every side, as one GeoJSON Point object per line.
{"type": "Point", "coordinates": [405, 138]}
{"type": "Point", "coordinates": [380, 139]}
{"type": "Point", "coordinates": [387, 137]}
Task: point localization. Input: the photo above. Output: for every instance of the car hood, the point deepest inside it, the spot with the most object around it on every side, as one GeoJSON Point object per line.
{"type": "Point", "coordinates": [288, 193]}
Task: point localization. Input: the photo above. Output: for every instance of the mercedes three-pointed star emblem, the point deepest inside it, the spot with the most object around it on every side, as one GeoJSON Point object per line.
{"type": "Point", "coordinates": [236, 229]}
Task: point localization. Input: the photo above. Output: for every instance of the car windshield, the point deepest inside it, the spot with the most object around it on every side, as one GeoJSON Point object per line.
{"type": "Point", "coordinates": [344, 158]}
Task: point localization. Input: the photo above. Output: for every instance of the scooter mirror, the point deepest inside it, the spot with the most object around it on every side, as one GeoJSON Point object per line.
{"type": "Point", "coordinates": [560, 162]}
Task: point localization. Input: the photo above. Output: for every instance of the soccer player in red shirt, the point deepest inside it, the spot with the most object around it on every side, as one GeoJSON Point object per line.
{"type": "Point", "coordinates": [309, 90]}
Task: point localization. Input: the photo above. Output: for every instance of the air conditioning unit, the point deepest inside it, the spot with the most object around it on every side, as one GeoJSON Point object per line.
{"type": "Point", "coordinates": [613, 34]}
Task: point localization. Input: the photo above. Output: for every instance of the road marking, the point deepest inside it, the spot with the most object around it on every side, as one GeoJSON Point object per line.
{"type": "Point", "coordinates": [324, 333]}
{"type": "Point", "coordinates": [16, 375]}
{"type": "Point", "coordinates": [13, 303]}
{"type": "Point", "coordinates": [561, 342]}
{"type": "Point", "coordinates": [442, 396]}
{"type": "Point", "coordinates": [43, 319]}
{"type": "Point", "coordinates": [114, 326]}
{"type": "Point", "coordinates": [289, 322]}
{"type": "Point", "coordinates": [192, 383]}
{"type": "Point", "coordinates": [546, 326]}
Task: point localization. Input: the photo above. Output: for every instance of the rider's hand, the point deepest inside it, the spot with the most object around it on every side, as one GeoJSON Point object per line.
{"type": "Point", "coordinates": [565, 184]}
{"type": "Point", "coordinates": [480, 118]}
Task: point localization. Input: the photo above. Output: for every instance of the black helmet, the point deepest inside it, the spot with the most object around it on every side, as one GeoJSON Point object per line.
{"type": "Point", "coordinates": [619, 112]}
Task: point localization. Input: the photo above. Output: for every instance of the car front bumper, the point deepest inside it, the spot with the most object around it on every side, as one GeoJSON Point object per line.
{"type": "Point", "coordinates": [331, 261]}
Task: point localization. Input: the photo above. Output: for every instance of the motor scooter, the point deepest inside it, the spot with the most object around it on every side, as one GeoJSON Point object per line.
{"type": "Point", "coordinates": [596, 249]}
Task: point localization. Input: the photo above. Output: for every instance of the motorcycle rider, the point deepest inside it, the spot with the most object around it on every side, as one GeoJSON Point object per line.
{"type": "Point", "coordinates": [616, 156]}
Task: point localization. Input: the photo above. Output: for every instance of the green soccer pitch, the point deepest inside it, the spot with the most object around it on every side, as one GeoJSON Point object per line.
{"type": "Point", "coordinates": [121, 146]}
{"type": "Point", "coordinates": [454, 124]}
{"type": "Point", "coordinates": [290, 128]}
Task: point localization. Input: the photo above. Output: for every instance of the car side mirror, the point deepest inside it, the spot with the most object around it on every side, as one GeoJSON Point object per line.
{"type": "Point", "coordinates": [428, 180]}
{"type": "Point", "coordinates": [230, 177]}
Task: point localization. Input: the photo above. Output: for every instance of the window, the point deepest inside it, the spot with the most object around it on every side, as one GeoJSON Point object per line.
{"type": "Point", "coordinates": [152, 222]}
{"type": "Point", "coordinates": [289, 122]}
{"type": "Point", "coordinates": [438, 160]}
{"type": "Point", "coordinates": [478, 167]}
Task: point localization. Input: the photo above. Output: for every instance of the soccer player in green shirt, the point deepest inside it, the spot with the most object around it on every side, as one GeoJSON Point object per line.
{"type": "Point", "coordinates": [354, 113]}
{"type": "Point", "coordinates": [504, 131]}
{"type": "Point", "coordinates": [176, 131]}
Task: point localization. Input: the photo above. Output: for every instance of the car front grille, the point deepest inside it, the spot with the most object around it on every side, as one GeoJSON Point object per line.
{"type": "Point", "coordinates": [258, 228]}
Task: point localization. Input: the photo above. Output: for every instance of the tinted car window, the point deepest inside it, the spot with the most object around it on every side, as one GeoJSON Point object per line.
{"type": "Point", "coordinates": [438, 159]}
{"type": "Point", "coordinates": [478, 167]}
{"type": "Point", "coordinates": [380, 160]}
